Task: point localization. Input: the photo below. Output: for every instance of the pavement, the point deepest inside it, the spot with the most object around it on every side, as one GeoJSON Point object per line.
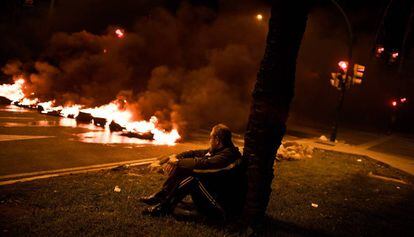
{"type": "Point", "coordinates": [396, 150]}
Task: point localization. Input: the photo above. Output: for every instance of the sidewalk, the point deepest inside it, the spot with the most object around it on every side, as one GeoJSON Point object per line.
{"type": "Point", "coordinates": [392, 158]}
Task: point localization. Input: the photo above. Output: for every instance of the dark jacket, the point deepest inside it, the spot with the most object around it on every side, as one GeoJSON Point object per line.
{"type": "Point", "coordinates": [204, 161]}
{"type": "Point", "coordinates": [221, 172]}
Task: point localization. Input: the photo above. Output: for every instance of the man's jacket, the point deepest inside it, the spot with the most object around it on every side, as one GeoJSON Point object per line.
{"type": "Point", "coordinates": [205, 161]}
{"type": "Point", "coordinates": [222, 172]}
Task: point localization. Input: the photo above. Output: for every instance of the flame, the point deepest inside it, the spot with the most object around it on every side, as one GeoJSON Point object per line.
{"type": "Point", "coordinates": [13, 92]}
{"type": "Point", "coordinates": [112, 112]}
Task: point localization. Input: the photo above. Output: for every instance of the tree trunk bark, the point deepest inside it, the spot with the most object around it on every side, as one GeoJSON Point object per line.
{"type": "Point", "coordinates": [271, 96]}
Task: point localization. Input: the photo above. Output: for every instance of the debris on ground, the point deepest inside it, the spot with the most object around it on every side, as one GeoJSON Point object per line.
{"type": "Point", "coordinates": [117, 189]}
{"type": "Point", "coordinates": [323, 138]}
{"type": "Point", "coordinates": [294, 151]}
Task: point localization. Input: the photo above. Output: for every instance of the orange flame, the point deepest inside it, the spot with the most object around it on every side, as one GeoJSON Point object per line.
{"type": "Point", "coordinates": [110, 112]}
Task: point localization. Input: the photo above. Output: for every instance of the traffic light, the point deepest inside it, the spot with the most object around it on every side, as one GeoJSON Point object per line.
{"type": "Point", "coordinates": [358, 74]}
{"type": "Point", "coordinates": [343, 65]}
{"type": "Point", "coordinates": [379, 50]}
{"type": "Point", "coordinates": [28, 3]}
{"type": "Point", "coordinates": [393, 56]}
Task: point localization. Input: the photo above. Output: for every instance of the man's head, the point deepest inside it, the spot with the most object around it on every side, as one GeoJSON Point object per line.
{"type": "Point", "coordinates": [220, 136]}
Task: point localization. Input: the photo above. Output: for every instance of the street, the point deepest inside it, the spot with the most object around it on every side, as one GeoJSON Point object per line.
{"type": "Point", "coordinates": [32, 142]}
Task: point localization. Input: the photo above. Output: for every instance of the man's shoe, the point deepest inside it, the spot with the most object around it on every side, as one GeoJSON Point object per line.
{"type": "Point", "coordinates": [156, 211]}
{"type": "Point", "coordinates": [150, 200]}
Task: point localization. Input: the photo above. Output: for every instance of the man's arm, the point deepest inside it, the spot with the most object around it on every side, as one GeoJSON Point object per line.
{"type": "Point", "coordinates": [192, 154]}
{"type": "Point", "coordinates": [214, 162]}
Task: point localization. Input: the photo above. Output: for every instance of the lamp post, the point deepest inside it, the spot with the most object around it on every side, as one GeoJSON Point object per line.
{"type": "Point", "coordinates": [343, 82]}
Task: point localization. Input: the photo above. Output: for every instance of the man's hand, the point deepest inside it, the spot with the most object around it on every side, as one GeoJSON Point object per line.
{"type": "Point", "coordinates": [171, 164]}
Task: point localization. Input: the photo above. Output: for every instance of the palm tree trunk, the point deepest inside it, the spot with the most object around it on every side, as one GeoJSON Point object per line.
{"type": "Point", "coordinates": [272, 95]}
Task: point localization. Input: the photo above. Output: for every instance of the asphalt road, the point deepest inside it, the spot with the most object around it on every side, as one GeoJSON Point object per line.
{"type": "Point", "coordinates": [32, 142]}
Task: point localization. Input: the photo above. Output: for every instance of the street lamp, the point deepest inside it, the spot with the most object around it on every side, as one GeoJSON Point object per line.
{"type": "Point", "coordinates": [119, 33]}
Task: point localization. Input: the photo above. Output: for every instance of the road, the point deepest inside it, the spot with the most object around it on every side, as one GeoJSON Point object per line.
{"type": "Point", "coordinates": [32, 142]}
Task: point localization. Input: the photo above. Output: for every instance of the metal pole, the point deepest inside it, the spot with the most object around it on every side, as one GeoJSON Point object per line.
{"type": "Point", "coordinates": [51, 7]}
{"type": "Point", "coordinates": [344, 82]}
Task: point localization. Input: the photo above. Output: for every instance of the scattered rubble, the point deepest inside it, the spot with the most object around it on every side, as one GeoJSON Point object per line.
{"type": "Point", "coordinates": [323, 138]}
{"type": "Point", "coordinates": [117, 189]}
{"type": "Point", "coordinates": [294, 151]}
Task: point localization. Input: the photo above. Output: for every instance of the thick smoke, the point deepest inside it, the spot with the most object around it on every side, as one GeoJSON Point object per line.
{"type": "Point", "coordinates": [194, 68]}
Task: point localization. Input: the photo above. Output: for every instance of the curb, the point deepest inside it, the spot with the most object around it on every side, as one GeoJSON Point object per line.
{"type": "Point", "coordinates": [25, 177]}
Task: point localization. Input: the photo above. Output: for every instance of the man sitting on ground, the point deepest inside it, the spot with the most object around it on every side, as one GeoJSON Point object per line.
{"type": "Point", "coordinates": [214, 178]}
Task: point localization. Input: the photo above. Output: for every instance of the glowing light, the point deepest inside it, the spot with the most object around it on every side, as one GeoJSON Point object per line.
{"type": "Point", "coordinates": [380, 50]}
{"type": "Point", "coordinates": [105, 51]}
{"type": "Point", "coordinates": [343, 65]}
{"type": "Point", "coordinates": [394, 103]}
{"type": "Point", "coordinates": [403, 100]}
{"type": "Point", "coordinates": [119, 33]}
{"type": "Point", "coordinates": [394, 55]}
{"type": "Point", "coordinates": [259, 17]}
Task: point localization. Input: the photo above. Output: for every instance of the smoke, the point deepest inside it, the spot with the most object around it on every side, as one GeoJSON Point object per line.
{"type": "Point", "coordinates": [193, 68]}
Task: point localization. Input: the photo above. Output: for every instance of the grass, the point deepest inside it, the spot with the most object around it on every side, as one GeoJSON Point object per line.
{"type": "Point", "coordinates": [349, 203]}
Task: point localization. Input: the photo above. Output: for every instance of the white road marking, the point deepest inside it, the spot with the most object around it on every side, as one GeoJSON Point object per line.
{"type": "Point", "coordinates": [20, 137]}
{"type": "Point", "coordinates": [23, 118]}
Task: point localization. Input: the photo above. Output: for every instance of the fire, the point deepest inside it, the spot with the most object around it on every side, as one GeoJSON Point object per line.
{"type": "Point", "coordinates": [259, 17]}
{"type": "Point", "coordinates": [109, 113]}
{"type": "Point", "coordinates": [13, 92]}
